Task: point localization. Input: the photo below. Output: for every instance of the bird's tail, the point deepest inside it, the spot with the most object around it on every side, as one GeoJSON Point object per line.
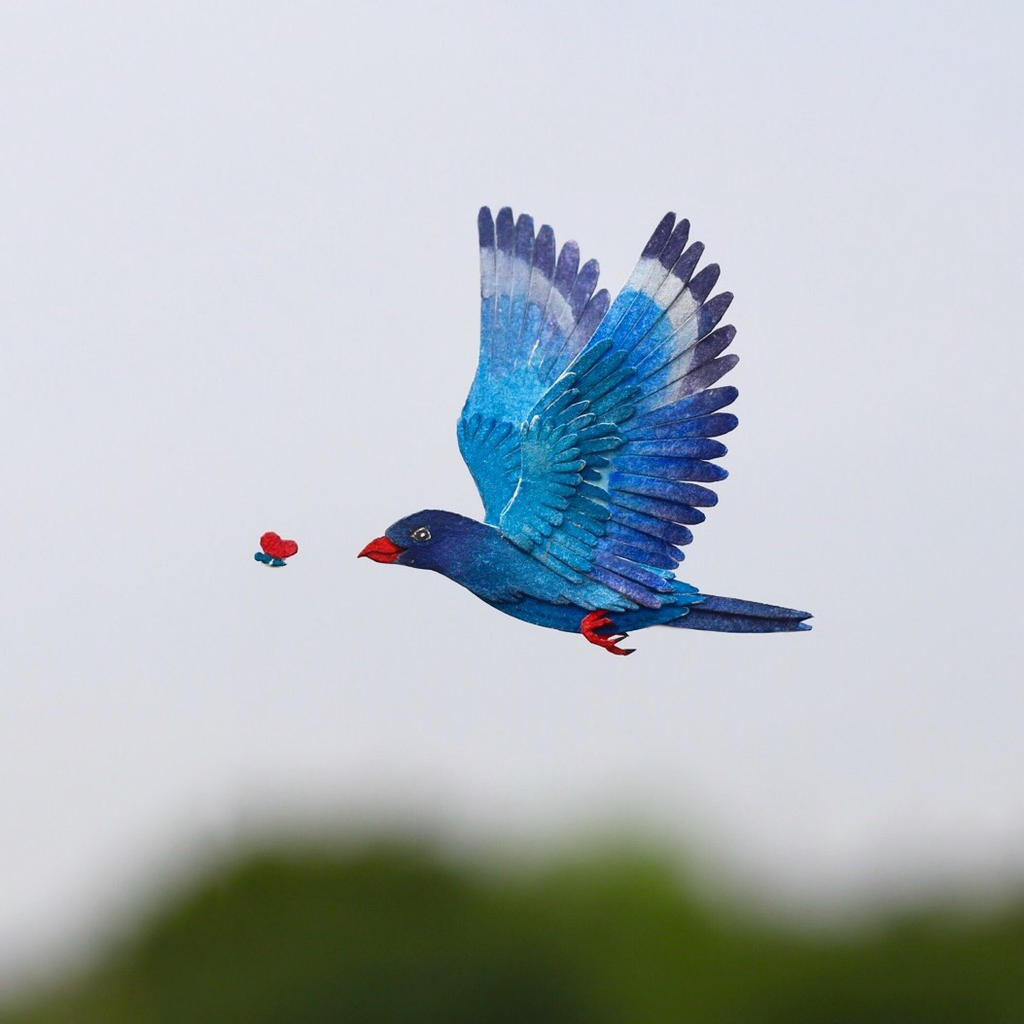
{"type": "Point", "coordinates": [731, 615]}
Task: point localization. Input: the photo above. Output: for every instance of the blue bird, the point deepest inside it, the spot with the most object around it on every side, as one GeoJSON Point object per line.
{"type": "Point", "coordinates": [589, 430]}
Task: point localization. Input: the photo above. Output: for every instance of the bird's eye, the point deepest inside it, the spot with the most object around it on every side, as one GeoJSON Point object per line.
{"type": "Point", "coordinates": [421, 534]}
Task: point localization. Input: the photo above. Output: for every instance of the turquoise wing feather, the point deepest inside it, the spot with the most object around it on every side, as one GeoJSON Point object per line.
{"type": "Point", "coordinates": [615, 456]}
{"type": "Point", "coordinates": [538, 310]}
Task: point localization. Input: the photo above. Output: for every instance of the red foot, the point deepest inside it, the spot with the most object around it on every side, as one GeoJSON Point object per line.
{"type": "Point", "coordinates": [594, 621]}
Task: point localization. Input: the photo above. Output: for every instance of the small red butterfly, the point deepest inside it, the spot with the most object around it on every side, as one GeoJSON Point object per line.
{"type": "Point", "coordinates": [275, 550]}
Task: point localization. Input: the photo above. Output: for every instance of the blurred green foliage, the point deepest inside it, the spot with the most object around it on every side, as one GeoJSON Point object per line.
{"type": "Point", "coordinates": [389, 934]}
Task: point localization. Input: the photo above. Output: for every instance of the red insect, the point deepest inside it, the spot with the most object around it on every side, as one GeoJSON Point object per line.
{"type": "Point", "coordinates": [275, 550]}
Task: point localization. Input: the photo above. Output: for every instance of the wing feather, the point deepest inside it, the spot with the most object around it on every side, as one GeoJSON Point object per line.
{"type": "Point", "coordinates": [624, 437]}
{"type": "Point", "coordinates": [537, 312]}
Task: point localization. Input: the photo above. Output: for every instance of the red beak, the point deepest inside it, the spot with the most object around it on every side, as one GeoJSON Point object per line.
{"type": "Point", "coordinates": [381, 550]}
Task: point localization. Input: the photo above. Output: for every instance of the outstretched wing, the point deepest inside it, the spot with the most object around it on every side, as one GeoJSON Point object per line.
{"type": "Point", "coordinates": [615, 455]}
{"type": "Point", "coordinates": [537, 312]}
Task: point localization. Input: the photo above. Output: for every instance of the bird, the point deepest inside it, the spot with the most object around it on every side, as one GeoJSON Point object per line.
{"type": "Point", "coordinates": [590, 429]}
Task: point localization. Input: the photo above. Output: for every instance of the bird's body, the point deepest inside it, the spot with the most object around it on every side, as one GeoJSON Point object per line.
{"type": "Point", "coordinates": [588, 431]}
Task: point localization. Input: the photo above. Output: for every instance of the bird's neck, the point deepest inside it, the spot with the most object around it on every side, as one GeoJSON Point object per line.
{"type": "Point", "coordinates": [483, 561]}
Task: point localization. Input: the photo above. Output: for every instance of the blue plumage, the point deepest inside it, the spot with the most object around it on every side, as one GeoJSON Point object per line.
{"type": "Point", "coordinates": [590, 431]}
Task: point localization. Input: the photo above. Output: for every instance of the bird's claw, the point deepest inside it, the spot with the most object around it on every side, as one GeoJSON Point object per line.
{"type": "Point", "coordinates": [599, 620]}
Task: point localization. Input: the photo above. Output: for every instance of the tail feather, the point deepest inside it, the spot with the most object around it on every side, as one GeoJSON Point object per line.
{"type": "Point", "coordinates": [732, 615]}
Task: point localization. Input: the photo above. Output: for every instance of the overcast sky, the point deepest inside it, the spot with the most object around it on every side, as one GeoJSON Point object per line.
{"type": "Point", "coordinates": [238, 292]}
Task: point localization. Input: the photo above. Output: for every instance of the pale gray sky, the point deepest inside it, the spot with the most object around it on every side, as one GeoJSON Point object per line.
{"type": "Point", "coordinates": [238, 292]}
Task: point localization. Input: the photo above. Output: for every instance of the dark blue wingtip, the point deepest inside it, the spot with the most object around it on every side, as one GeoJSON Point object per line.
{"type": "Point", "coordinates": [675, 244]}
{"type": "Point", "coordinates": [485, 227]}
{"type": "Point", "coordinates": [544, 251]}
{"type": "Point", "coordinates": [524, 237]}
{"type": "Point", "coordinates": [505, 229]}
{"type": "Point", "coordinates": [728, 332]}
{"type": "Point", "coordinates": [712, 311]}
{"type": "Point", "coordinates": [702, 283]}
{"type": "Point", "coordinates": [656, 243]}
{"type": "Point", "coordinates": [565, 269]}
{"type": "Point", "coordinates": [725, 395]}
{"type": "Point", "coordinates": [687, 262]}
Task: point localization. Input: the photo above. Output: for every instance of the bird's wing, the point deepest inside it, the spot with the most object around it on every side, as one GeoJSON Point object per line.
{"type": "Point", "coordinates": [615, 455]}
{"type": "Point", "coordinates": [537, 313]}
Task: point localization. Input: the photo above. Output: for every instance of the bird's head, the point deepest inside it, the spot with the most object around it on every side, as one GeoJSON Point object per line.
{"type": "Point", "coordinates": [431, 539]}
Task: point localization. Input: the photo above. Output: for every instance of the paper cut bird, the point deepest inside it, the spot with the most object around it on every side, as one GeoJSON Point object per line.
{"type": "Point", "coordinates": [590, 433]}
{"type": "Point", "coordinates": [275, 550]}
